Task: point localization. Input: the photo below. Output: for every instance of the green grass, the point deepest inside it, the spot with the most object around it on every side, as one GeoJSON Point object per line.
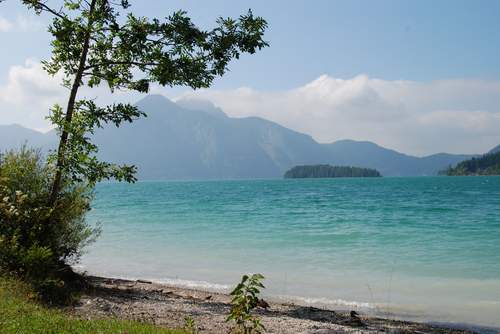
{"type": "Point", "coordinates": [20, 314]}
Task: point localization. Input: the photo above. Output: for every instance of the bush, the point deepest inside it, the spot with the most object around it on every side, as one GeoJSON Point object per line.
{"type": "Point", "coordinates": [38, 242]}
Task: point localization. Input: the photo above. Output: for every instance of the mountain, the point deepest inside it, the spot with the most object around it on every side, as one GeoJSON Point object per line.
{"type": "Point", "coordinates": [12, 136]}
{"type": "Point", "coordinates": [388, 162]}
{"type": "Point", "coordinates": [495, 150]}
{"type": "Point", "coordinates": [201, 105]}
{"type": "Point", "coordinates": [196, 140]}
{"type": "Point", "coordinates": [488, 164]}
{"type": "Point", "coordinates": [174, 142]}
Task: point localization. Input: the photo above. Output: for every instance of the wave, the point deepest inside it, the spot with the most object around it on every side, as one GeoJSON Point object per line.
{"type": "Point", "coordinates": [177, 282]}
{"type": "Point", "coordinates": [201, 285]}
{"type": "Point", "coordinates": [328, 303]}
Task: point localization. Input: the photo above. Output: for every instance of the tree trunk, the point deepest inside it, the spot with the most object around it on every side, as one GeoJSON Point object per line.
{"type": "Point", "coordinates": [63, 140]}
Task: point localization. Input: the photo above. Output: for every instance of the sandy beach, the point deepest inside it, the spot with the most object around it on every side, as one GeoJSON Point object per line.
{"type": "Point", "coordinates": [165, 305]}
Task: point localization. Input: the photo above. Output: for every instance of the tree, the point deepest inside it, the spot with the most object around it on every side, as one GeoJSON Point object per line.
{"type": "Point", "coordinates": [103, 42]}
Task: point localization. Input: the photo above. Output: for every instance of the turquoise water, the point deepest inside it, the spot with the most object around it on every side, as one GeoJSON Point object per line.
{"type": "Point", "coordinates": [419, 248]}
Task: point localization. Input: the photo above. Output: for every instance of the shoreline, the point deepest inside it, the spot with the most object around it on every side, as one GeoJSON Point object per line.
{"type": "Point", "coordinates": [168, 305]}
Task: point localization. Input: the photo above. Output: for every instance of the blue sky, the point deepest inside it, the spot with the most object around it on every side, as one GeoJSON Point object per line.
{"type": "Point", "coordinates": [409, 40]}
{"type": "Point", "coordinates": [422, 42]}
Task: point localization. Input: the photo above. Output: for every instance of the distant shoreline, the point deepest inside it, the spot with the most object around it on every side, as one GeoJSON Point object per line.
{"type": "Point", "coordinates": [168, 305]}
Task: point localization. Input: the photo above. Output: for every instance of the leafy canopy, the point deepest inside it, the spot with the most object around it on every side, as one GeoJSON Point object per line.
{"type": "Point", "coordinates": [102, 42]}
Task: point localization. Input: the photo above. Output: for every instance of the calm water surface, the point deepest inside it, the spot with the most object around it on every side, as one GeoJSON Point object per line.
{"type": "Point", "coordinates": [419, 248]}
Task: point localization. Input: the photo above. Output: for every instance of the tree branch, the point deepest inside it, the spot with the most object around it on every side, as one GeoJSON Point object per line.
{"type": "Point", "coordinates": [111, 63]}
{"type": "Point", "coordinates": [43, 6]}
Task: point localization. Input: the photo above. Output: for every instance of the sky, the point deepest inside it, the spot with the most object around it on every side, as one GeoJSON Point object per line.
{"type": "Point", "coordinates": [420, 77]}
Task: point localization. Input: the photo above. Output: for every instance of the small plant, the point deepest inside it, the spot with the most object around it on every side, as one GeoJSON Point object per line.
{"type": "Point", "coordinates": [245, 299]}
{"type": "Point", "coordinates": [190, 325]}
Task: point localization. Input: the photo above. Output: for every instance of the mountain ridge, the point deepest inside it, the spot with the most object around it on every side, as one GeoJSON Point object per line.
{"type": "Point", "coordinates": [180, 141]}
{"type": "Point", "coordinates": [494, 150]}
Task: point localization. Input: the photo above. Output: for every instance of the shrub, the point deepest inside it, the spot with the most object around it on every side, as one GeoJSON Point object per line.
{"type": "Point", "coordinates": [38, 242]}
{"type": "Point", "coordinates": [245, 299]}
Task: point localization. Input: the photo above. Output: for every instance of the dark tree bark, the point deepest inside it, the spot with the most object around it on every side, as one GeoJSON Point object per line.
{"type": "Point", "coordinates": [63, 140]}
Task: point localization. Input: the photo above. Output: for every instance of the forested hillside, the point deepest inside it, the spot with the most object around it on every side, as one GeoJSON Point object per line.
{"type": "Point", "coordinates": [488, 164]}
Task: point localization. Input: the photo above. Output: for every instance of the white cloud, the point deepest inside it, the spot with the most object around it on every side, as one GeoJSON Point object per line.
{"type": "Point", "coordinates": [28, 94]}
{"type": "Point", "coordinates": [458, 116]}
{"type": "Point", "coordinates": [5, 25]}
{"type": "Point", "coordinates": [21, 24]}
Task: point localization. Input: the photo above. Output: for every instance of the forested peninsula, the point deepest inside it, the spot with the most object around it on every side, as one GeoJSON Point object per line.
{"type": "Point", "coordinates": [488, 164]}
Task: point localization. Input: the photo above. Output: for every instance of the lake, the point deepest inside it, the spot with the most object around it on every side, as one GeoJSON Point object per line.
{"type": "Point", "coordinates": [423, 248]}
